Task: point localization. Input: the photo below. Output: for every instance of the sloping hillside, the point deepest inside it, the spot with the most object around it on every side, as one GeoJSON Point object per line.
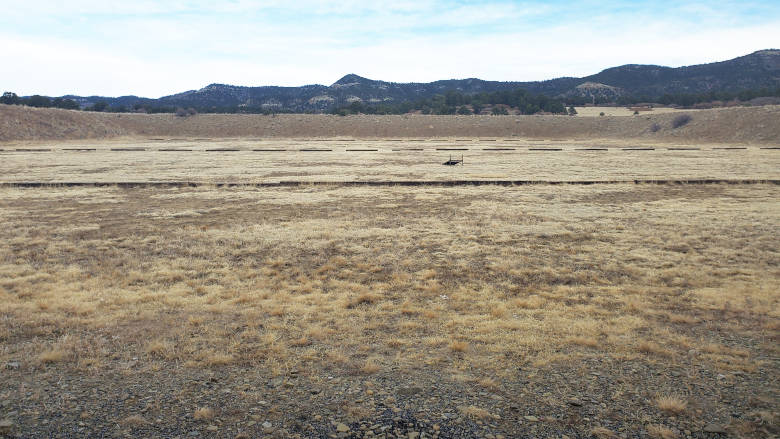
{"type": "Point", "coordinates": [729, 125]}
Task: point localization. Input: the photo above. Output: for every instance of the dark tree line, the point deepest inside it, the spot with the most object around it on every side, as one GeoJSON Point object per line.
{"type": "Point", "coordinates": [451, 102]}
{"type": "Point", "coordinates": [39, 101]}
{"type": "Point", "coordinates": [455, 102]}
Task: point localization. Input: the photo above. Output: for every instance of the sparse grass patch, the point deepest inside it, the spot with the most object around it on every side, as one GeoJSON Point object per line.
{"type": "Point", "coordinates": [476, 413]}
{"type": "Point", "coordinates": [661, 432]}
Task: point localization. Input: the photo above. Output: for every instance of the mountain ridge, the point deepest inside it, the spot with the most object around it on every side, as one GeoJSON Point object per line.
{"type": "Point", "coordinates": [755, 70]}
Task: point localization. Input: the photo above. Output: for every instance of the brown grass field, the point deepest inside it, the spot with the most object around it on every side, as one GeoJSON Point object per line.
{"type": "Point", "coordinates": [143, 160]}
{"type": "Point", "coordinates": [608, 311]}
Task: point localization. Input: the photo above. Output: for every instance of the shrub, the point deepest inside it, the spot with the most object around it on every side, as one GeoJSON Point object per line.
{"type": "Point", "coordinates": [601, 114]}
{"type": "Point", "coordinates": [654, 128]}
{"type": "Point", "coordinates": [681, 120]}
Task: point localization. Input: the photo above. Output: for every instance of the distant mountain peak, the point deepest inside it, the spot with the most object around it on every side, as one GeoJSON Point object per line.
{"type": "Point", "coordinates": [351, 79]}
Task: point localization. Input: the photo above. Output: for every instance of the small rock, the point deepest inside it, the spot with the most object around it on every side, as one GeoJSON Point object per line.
{"type": "Point", "coordinates": [714, 428]}
{"type": "Point", "coordinates": [413, 435]}
{"type": "Point", "coordinates": [342, 427]}
{"type": "Point", "coordinates": [409, 391]}
{"type": "Point", "coordinates": [575, 403]}
{"type": "Point", "coordinates": [13, 365]}
{"type": "Point", "coordinates": [6, 425]}
{"type": "Point", "coordinates": [267, 424]}
{"type": "Point", "coordinates": [212, 428]}
{"type": "Point", "coordinates": [531, 418]}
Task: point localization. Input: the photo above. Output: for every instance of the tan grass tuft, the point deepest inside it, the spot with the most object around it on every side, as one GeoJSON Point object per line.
{"type": "Point", "coordinates": [53, 356]}
{"type": "Point", "coordinates": [459, 346]}
{"type": "Point", "coordinates": [682, 318]}
{"type": "Point", "coordinates": [532, 302]}
{"type": "Point", "coordinates": [671, 404]}
{"type": "Point", "coordinates": [488, 383]}
{"type": "Point", "coordinates": [649, 347]}
{"type": "Point", "coordinates": [157, 348]}
{"type": "Point", "coordinates": [589, 342]}
{"type": "Point", "coordinates": [364, 298]}
{"type": "Point", "coordinates": [370, 367]}
{"type": "Point", "coordinates": [303, 341]}
{"type": "Point", "coordinates": [219, 359]}
{"type": "Point", "coordinates": [498, 311]}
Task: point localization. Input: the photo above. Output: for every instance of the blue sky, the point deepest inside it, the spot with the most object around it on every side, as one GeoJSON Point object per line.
{"type": "Point", "coordinates": [154, 48]}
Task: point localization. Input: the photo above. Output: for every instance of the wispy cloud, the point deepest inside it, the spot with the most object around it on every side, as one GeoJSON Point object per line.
{"type": "Point", "coordinates": [159, 47]}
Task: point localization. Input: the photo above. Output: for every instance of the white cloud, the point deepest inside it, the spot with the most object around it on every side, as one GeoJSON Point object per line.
{"type": "Point", "coordinates": [153, 49]}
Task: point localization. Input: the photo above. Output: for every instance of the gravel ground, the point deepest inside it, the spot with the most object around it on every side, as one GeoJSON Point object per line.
{"type": "Point", "coordinates": [131, 401]}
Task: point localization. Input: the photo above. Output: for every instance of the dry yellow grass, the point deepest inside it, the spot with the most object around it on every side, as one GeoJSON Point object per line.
{"type": "Point", "coordinates": [485, 287]}
{"type": "Point", "coordinates": [294, 304]}
{"type": "Point", "coordinates": [247, 166]}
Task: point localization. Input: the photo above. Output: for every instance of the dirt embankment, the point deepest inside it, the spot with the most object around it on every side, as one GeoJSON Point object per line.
{"type": "Point", "coordinates": [759, 125]}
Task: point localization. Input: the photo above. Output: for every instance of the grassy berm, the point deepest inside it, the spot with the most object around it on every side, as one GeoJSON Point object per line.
{"type": "Point", "coordinates": [614, 311]}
